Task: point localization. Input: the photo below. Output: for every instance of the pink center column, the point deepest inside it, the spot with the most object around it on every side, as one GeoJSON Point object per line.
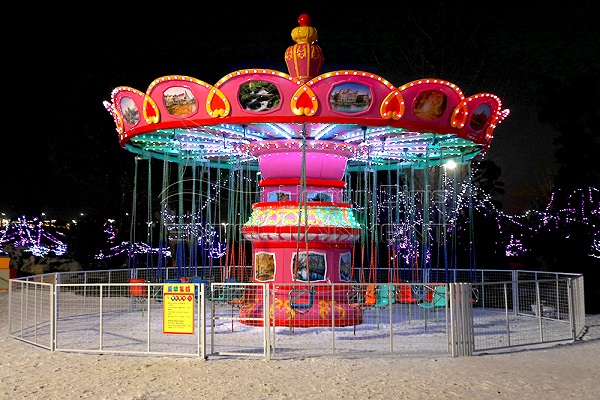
{"type": "Point", "coordinates": [302, 233]}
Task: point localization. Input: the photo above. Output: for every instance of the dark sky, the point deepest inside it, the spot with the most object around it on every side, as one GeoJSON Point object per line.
{"type": "Point", "coordinates": [61, 154]}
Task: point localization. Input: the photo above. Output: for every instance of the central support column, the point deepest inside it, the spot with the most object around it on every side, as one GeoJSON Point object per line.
{"type": "Point", "coordinates": [302, 233]}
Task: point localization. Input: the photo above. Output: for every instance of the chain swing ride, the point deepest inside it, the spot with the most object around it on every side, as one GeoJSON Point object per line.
{"type": "Point", "coordinates": [330, 177]}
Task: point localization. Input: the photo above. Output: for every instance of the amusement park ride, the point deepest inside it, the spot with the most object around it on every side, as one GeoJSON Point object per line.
{"type": "Point", "coordinates": [317, 146]}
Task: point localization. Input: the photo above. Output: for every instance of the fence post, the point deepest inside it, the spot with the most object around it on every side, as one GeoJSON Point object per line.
{"type": "Point", "coordinates": [461, 319]}
{"type": "Point", "coordinates": [571, 305]}
{"type": "Point", "coordinates": [53, 315]}
{"type": "Point", "coordinates": [452, 333]}
{"type": "Point", "coordinates": [506, 313]}
{"type": "Point", "coordinates": [539, 308]}
{"type": "Point", "coordinates": [202, 316]}
{"type": "Point", "coordinates": [267, 319]}
{"type": "Point", "coordinates": [515, 291]}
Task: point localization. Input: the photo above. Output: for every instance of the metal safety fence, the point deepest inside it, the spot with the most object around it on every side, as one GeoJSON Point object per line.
{"type": "Point", "coordinates": [70, 312]}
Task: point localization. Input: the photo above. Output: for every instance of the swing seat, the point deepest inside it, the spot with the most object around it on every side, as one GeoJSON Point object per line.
{"type": "Point", "coordinates": [374, 296]}
{"type": "Point", "coordinates": [159, 295]}
{"type": "Point", "coordinates": [385, 296]}
{"type": "Point", "coordinates": [239, 296]}
{"type": "Point", "coordinates": [370, 296]}
{"type": "Point", "coordinates": [475, 295]}
{"type": "Point", "coordinates": [361, 297]}
{"type": "Point", "coordinates": [438, 298]}
{"type": "Point", "coordinates": [305, 304]}
{"type": "Point", "coordinates": [229, 294]}
{"type": "Point", "coordinates": [200, 281]}
{"type": "Point", "coordinates": [404, 294]}
{"type": "Point", "coordinates": [355, 296]}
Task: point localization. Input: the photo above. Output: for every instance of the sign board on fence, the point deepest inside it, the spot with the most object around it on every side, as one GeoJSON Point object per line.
{"type": "Point", "coordinates": [178, 308]}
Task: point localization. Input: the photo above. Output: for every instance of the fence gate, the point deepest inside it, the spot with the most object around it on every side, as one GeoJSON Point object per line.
{"type": "Point", "coordinates": [239, 319]}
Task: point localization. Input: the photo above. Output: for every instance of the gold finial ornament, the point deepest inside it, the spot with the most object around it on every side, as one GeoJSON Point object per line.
{"type": "Point", "coordinates": [304, 33]}
{"type": "Point", "coordinates": [304, 59]}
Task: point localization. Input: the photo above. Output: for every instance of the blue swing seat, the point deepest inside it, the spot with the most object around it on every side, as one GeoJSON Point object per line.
{"type": "Point", "coordinates": [385, 296]}
{"type": "Point", "coordinates": [438, 298]}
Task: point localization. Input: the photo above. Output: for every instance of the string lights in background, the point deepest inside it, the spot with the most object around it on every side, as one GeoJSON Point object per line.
{"type": "Point", "coordinates": [35, 236]}
{"type": "Point", "coordinates": [43, 239]}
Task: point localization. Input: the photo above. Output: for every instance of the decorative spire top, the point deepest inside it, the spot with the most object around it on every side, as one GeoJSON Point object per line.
{"type": "Point", "coordinates": [304, 59]}
{"type": "Point", "coordinates": [304, 33]}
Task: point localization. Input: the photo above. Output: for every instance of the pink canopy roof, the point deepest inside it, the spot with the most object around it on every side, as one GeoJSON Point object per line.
{"type": "Point", "coordinates": [419, 123]}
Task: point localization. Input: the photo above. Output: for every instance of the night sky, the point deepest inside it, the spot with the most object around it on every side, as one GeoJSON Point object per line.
{"type": "Point", "coordinates": [60, 149]}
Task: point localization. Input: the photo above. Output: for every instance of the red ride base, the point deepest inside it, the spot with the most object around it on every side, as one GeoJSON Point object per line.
{"type": "Point", "coordinates": [303, 308]}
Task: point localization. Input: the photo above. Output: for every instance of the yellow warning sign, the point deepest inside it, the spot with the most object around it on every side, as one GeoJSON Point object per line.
{"type": "Point", "coordinates": [178, 308]}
